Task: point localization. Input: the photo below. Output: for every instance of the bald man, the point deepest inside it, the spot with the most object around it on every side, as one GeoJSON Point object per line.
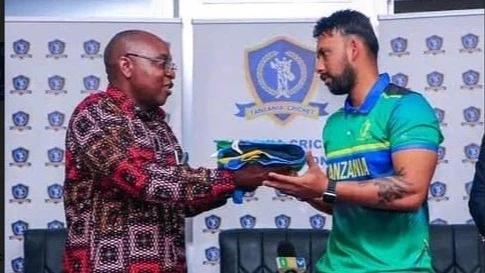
{"type": "Point", "coordinates": [128, 188]}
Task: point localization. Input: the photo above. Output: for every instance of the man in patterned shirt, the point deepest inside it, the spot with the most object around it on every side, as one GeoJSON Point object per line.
{"type": "Point", "coordinates": [127, 187]}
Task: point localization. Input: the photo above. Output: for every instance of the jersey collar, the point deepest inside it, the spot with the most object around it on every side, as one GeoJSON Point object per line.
{"type": "Point", "coordinates": [371, 98]}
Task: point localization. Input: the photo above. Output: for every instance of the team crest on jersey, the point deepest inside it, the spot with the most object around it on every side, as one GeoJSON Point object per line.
{"type": "Point", "coordinates": [20, 193]}
{"type": "Point", "coordinates": [435, 81]}
{"type": "Point", "coordinates": [439, 221]}
{"type": "Point", "coordinates": [281, 79]}
{"type": "Point", "coordinates": [471, 80]}
{"type": "Point", "coordinates": [317, 221]}
{"type": "Point", "coordinates": [21, 85]}
{"type": "Point", "coordinates": [472, 117]}
{"type": "Point", "coordinates": [247, 221]}
{"type": "Point", "coordinates": [438, 192]}
{"type": "Point", "coordinates": [91, 84]}
{"type": "Point", "coordinates": [212, 256]}
{"type": "Point", "coordinates": [18, 265]}
{"type": "Point", "coordinates": [470, 43]}
{"type": "Point", "coordinates": [212, 223]}
{"type": "Point", "coordinates": [434, 44]}
{"type": "Point", "coordinates": [442, 155]}
{"type": "Point", "coordinates": [279, 196]}
{"type": "Point", "coordinates": [56, 85]}
{"type": "Point", "coordinates": [91, 50]}
{"type": "Point", "coordinates": [18, 229]}
{"type": "Point", "coordinates": [400, 79]}
{"type": "Point", "coordinates": [55, 193]}
{"type": "Point", "coordinates": [56, 121]}
{"type": "Point", "coordinates": [440, 115]}
{"type": "Point", "coordinates": [468, 190]}
{"type": "Point", "coordinates": [55, 225]}
{"type": "Point", "coordinates": [399, 47]}
{"type": "Point", "coordinates": [21, 49]}
{"type": "Point", "coordinates": [250, 196]}
{"type": "Point", "coordinates": [471, 153]}
{"type": "Point", "coordinates": [20, 121]}
{"type": "Point", "coordinates": [282, 221]}
{"type": "Point", "coordinates": [20, 158]}
{"type": "Point", "coordinates": [55, 157]}
{"type": "Point", "coordinates": [56, 49]}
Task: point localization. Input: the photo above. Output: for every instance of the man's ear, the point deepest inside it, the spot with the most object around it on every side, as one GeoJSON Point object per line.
{"type": "Point", "coordinates": [354, 48]}
{"type": "Point", "coordinates": [126, 67]}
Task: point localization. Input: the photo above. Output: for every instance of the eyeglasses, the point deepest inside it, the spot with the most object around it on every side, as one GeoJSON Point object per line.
{"type": "Point", "coordinates": [164, 63]}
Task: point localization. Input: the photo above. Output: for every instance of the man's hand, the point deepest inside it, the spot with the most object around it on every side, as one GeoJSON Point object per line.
{"type": "Point", "coordinates": [310, 185]}
{"type": "Point", "coordinates": [252, 176]}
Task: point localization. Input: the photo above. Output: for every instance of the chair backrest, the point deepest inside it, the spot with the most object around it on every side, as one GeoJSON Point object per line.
{"type": "Point", "coordinates": [43, 250]}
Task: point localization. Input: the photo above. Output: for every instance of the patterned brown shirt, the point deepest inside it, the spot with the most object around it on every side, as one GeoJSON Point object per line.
{"type": "Point", "coordinates": [126, 198]}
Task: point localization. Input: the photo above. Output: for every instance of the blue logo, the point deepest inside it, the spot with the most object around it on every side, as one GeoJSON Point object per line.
{"type": "Point", "coordinates": [282, 81]}
{"type": "Point", "coordinates": [20, 84]}
{"type": "Point", "coordinates": [247, 221]}
{"type": "Point", "coordinates": [317, 221]}
{"type": "Point", "coordinates": [439, 221]}
{"type": "Point", "coordinates": [250, 196]}
{"type": "Point", "coordinates": [471, 153]}
{"type": "Point", "coordinates": [442, 155]}
{"type": "Point", "coordinates": [20, 121]}
{"type": "Point", "coordinates": [440, 115]}
{"type": "Point", "coordinates": [55, 193]}
{"type": "Point", "coordinates": [55, 225]}
{"type": "Point", "coordinates": [56, 121]}
{"type": "Point", "coordinates": [56, 85]}
{"type": "Point", "coordinates": [91, 50]}
{"type": "Point", "coordinates": [399, 46]}
{"type": "Point", "coordinates": [470, 43]}
{"type": "Point", "coordinates": [468, 190]}
{"type": "Point", "coordinates": [20, 193]}
{"type": "Point", "coordinates": [400, 79]}
{"type": "Point", "coordinates": [55, 156]}
{"type": "Point", "coordinates": [438, 192]}
{"type": "Point", "coordinates": [279, 196]}
{"type": "Point", "coordinates": [213, 223]}
{"type": "Point", "coordinates": [91, 84]}
{"type": "Point", "coordinates": [470, 79]}
{"type": "Point", "coordinates": [282, 221]}
{"type": "Point", "coordinates": [21, 49]}
{"type": "Point", "coordinates": [472, 116]}
{"type": "Point", "coordinates": [18, 265]}
{"type": "Point", "coordinates": [18, 229]}
{"type": "Point", "coordinates": [434, 44]}
{"type": "Point", "coordinates": [20, 157]}
{"type": "Point", "coordinates": [56, 49]}
{"type": "Point", "coordinates": [212, 255]}
{"type": "Point", "coordinates": [435, 81]}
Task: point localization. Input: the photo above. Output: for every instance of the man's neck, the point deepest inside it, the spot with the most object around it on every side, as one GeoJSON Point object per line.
{"type": "Point", "coordinates": [364, 82]}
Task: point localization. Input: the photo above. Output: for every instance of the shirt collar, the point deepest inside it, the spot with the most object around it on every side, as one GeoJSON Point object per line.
{"type": "Point", "coordinates": [371, 97]}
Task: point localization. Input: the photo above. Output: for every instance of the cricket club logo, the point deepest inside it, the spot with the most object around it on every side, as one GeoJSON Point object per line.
{"type": "Point", "coordinates": [471, 153]}
{"type": "Point", "coordinates": [55, 193]}
{"type": "Point", "coordinates": [439, 221]}
{"type": "Point", "coordinates": [280, 76]}
{"type": "Point", "coordinates": [472, 117]}
{"type": "Point", "coordinates": [20, 158]}
{"type": "Point", "coordinates": [440, 115]}
{"type": "Point", "coordinates": [247, 221]}
{"type": "Point", "coordinates": [212, 256]}
{"type": "Point", "coordinates": [470, 79]}
{"type": "Point", "coordinates": [91, 84]}
{"type": "Point", "coordinates": [399, 47]}
{"type": "Point", "coordinates": [55, 225]}
{"type": "Point", "coordinates": [20, 192]}
{"type": "Point", "coordinates": [212, 223]}
{"type": "Point", "coordinates": [56, 85]}
{"type": "Point", "coordinates": [435, 81]}
{"type": "Point", "coordinates": [55, 157]}
{"type": "Point", "coordinates": [250, 196]}
{"type": "Point", "coordinates": [434, 44]}
{"type": "Point", "coordinates": [18, 229]}
{"type": "Point", "coordinates": [91, 50]}
{"type": "Point", "coordinates": [21, 85]}
{"type": "Point", "coordinates": [20, 121]}
{"type": "Point", "coordinates": [438, 192]}
{"type": "Point", "coordinates": [282, 221]}
{"type": "Point", "coordinates": [468, 190]}
{"type": "Point", "coordinates": [18, 265]}
{"type": "Point", "coordinates": [279, 196]}
{"type": "Point", "coordinates": [56, 49]}
{"type": "Point", "coordinates": [317, 221]}
{"type": "Point", "coordinates": [56, 121]}
{"type": "Point", "coordinates": [442, 155]}
{"type": "Point", "coordinates": [400, 79]}
{"type": "Point", "coordinates": [470, 43]}
{"type": "Point", "coordinates": [21, 49]}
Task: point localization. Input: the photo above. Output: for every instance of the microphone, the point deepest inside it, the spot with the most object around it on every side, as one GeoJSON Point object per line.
{"type": "Point", "coordinates": [287, 261]}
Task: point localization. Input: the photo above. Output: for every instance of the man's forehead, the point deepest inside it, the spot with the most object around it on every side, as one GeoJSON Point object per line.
{"type": "Point", "coordinates": [155, 48]}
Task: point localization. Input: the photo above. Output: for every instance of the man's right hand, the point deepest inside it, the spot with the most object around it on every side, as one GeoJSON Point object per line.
{"type": "Point", "coordinates": [252, 176]}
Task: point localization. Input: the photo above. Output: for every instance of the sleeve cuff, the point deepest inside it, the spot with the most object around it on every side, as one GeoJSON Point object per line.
{"type": "Point", "coordinates": [423, 146]}
{"type": "Point", "coordinates": [222, 182]}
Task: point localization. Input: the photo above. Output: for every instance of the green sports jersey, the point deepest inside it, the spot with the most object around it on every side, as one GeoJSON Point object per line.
{"type": "Point", "coordinates": [359, 143]}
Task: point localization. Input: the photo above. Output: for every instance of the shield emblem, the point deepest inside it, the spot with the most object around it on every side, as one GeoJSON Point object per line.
{"type": "Point", "coordinates": [440, 114]}
{"type": "Point", "coordinates": [20, 155]}
{"type": "Point", "coordinates": [471, 114]}
{"type": "Point", "coordinates": [20, 191]}
{"type": "Point", "coordinates": [471, 151]}
{"type": "Point", "coordinates": [91, 47]}
{"type": "Point", "coordinates": [55, 225]}
{"type": "Point", "coordinates": [247, 221]}
{"type": "Point", "coordinates": [21, 82]}
{"type": "Point", "coordinates": [435, 79]}
{"type": "Point", "coordinates": [469, 41]}
{"type": "Point", "coordinates": [55, 191]}
{"type": "Point", "coordinates": [471, 77]}
{"type": "Point", "coordinates": [212, 254]}
{"type": "Point", "coordinates": [438, 189]}
{"type": "Point", "coordinates": [56, 47]}
{"type": "Point", "coordinates": [441, 152]}
{"type": "Point", "coordinates": [399, 45]}
{"type": "Point", "coordinates": [56, 119]}
{"type": "Point", "coordinates": [20, 119]}
{"type": "Point", "coordinates": [439, 221]}
{"type": "Point", "coordinates": [281, 71]}
{"type": "Point", "coordinates": [91, 82]}
{"type": "Point", "coordinates": [213, 222]}
{"type": "Point", "coordinates": [434, 42]}
{"type": "Point", "coordinates": [317, 221]}
{"type": "Point", "coordinates": [400, 79]}
{"type": "Point", "coordinates": [21, 47]}
{"type": "Point", "coordinates": [18, 265]}
{"type": "Point", "coordinates": [282, 221]}
{"type": "Point", "coordinates": [56, 82]}
{"type": "Point", "coordinates": [19, 227]}
{"type": "Point", "coordinates": [55, 155]}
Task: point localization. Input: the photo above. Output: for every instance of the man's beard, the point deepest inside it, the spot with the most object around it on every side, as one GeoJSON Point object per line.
{"type": "Point", "coordinates": [343, 83]}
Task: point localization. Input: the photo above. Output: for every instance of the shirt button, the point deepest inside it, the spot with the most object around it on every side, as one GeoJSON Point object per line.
{"type": "Point", "coordinates": [349, 133]}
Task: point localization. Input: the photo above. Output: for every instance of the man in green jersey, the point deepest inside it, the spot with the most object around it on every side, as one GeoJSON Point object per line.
{"type": "Point", "coordinates": [381, 150]}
